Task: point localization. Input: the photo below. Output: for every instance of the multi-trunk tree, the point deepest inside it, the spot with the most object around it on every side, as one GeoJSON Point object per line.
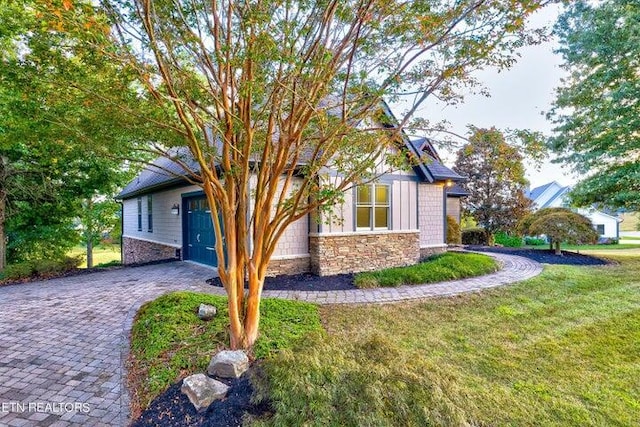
{"type": "Point", "coordinates": [597, 108]}
{"type": "Point", "coordinates": [279, 103]}
{"type": "Point", "coordinates": [496, 181]}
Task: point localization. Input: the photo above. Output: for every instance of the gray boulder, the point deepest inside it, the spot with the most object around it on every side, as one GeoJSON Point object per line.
{"type": "Point", "coordinates": [207, 312]}
{"type": "Point", "coordinates": [228, 364]}
{"type": "Point", "coordinates": [202, 390]}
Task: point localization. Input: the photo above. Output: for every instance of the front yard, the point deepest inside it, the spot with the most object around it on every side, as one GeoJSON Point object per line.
{"type": "Point", "coordinates": [560, 349]}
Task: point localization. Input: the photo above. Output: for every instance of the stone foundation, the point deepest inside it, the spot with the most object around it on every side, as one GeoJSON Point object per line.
{"type": "Point", "coordinates": [427, 252]}
{"type": "Point", "coordinates": [352, 253]}
{"type": "Point", "coordinates": [136, 251]}
{"type": "Point", "coordinates": [288, 266]}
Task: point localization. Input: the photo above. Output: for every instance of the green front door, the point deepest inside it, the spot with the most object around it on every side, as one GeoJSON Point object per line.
{"type": "Point", "coordinates": [200, 235]}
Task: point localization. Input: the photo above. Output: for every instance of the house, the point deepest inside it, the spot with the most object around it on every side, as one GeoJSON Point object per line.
{"type": "Point", "coordinates": [395, 221]}
{"type": "Point", "coordinates": [554, 195]}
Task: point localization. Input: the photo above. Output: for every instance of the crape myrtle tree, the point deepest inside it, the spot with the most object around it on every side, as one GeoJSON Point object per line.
{"type": "Point", "coordinates": [279, 102]}
{"type": "Point", "coordinates": [560, 225]}
{"type": "Point", "coordinates": [596, 110]}
{"type": "Point", "coordinates": [496, 180]}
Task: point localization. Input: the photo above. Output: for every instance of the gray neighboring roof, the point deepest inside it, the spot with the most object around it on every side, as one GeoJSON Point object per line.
{"type": "Point", "coordinates": [537, 192]}
{"type": "Point", "coordinates": [457, 191]}
{"type": "Point", "coordinates": [162, 173]}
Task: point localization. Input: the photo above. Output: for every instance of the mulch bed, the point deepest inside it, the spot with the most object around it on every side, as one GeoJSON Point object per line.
{"type": "Point", "coordinates": [544, 256]}
{"type": "Point", "coordinates": [173, 409]}
{"type": "Point", "coordinates": [303, 282]}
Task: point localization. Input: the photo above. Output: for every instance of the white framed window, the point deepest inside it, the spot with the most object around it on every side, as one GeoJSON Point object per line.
{"type": "Point", "coordinates": [139, 213]}
{"type": "Point", "coordinates": [150, 213]}
{"type": "Point", "coordinates": [372, 207]}
{"type": "Point", "coordinates": [600, 229]}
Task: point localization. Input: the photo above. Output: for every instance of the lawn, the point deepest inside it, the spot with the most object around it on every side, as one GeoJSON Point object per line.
{"type": "Point", "coordinates": [630, 222]}
{"type": "Point", "coordinates": [102, 254]}
{"type": "Point", "coordinates": [438, 268]}
{"type": "Point", "coordinates": [561, 349]}
{"type": "Point", "coordinates": [581, 248]}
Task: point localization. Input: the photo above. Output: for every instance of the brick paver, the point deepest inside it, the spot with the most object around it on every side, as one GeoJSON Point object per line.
{"type": "Point", "coordinates": [64, 341]}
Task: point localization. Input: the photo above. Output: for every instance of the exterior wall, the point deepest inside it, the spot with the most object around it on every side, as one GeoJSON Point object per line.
{"type": "Point", "coordinates": [453, 207]}
{"type": "Point", "coordinates": [167, 228]}
{"type": "Point", "coordinates": [403, 209]}
{"type": "Point", "coordinates": [355, 252]}
{"type": "Point", "coordinates": [610, 223]}
{"type": "Point", "coordinates": [431, 215]}
{"type": "Point", "coordinates": [135, 251]}
{"type": "Point", "coordinates": [289, 265]}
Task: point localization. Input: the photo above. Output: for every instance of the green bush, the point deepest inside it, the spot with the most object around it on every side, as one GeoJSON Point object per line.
{"type": "Point", "coordinates": [474, 236]}
{"type": "Point", "coordinates": [453, 231]}
{"type": "Point", "coordinates": [534, 241]}
{"type": "Point", "coordinates": [40, 268]}
{"type": "Point", "coordinates": [504, 239]}
{"type": "Point", "coordinates": [113, 263]}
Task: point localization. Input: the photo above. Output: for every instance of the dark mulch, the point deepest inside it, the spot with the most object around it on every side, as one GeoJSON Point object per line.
{"type": "Point", "coordinates": [173, 409]}
{"type": "Point", "coordinates": [544, 255]}
{"type": "Point", "coordinates": [303, 282]}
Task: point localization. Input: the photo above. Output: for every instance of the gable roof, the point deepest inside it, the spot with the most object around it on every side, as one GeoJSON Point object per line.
{"type": "Point", "coordinates": [165, 172]}
{"type": "Point", "coordinates": [536, 194]}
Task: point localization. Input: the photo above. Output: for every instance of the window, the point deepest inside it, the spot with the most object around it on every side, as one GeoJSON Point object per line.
{"type": "Point", "coordinates": [600, 229]}
{"type": "Point", "coordinates": [139, 213]}
{"type": "Point", "coordinates": [150, 213]}
{"type": "Point", "coordinates": [372, 207]}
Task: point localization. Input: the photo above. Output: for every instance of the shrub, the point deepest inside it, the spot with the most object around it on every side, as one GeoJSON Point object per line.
{"type": "Point", "coordinates": [608, 241]}
{"type": "Point", "coordinates": [504, 239]}
{"type": "Point", "coordinates": [40, 268]}
{"type": "Point", "coordinates": [112, 263]}
{"type": "Point", "coordinates": [453, 231]}
{"type": "Point", "coordinates": [560, 225]}
{"type": "Point", "coordinates": [534, 241]}
{"type": "Point", "coordinates": [474, 236]}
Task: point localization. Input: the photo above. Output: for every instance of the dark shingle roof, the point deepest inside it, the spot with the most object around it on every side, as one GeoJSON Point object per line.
{"type": "Point", "coordinates": [433, 165]}
{"type": "Point", "coordinates": [163, 172]}
{"type": "Point", "coordinates": [457, 191]}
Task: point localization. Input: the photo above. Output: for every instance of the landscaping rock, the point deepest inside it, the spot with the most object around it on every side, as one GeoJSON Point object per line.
{"type": "Point", "coordinates": [207, 312]}
{"type": "Point", "coordinates": [229, 364]}
{"type": "Point", "coordinates": [202, 390]}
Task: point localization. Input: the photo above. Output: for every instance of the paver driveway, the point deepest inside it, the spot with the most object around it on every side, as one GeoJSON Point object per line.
{"type": "Point", "coordinates": [63, 341]}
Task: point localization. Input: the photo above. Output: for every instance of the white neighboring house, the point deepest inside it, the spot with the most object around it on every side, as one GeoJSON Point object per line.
{"type": "Point", "coordinates": [553, 195]}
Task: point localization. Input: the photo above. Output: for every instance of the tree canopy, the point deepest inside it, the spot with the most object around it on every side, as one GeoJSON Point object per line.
{"type": "Point", "coordinates": [560, 225]}
{"type": "Point", "coordinates": [597, 108]}
{"type": "Point", "coordinates": [280, 103]}
{"type": "Point", "coordinates": [496, 181]}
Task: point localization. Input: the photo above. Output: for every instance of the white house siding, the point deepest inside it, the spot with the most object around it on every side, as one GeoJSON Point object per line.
{"type": "Point", "coordinates": [167, 228]}
{"type": "Point", "coordinates": [598, 218]}
{"type": "Point", "coordinates": [431, 215]}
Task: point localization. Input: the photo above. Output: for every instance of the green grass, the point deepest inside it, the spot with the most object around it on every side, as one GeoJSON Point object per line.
{"type": "Point", "coordinates": [169, 341]}
{"type": "Point", "coordinates": [630, 238]}
{"type": "Point", "coordinates": [561, 349]}
{"type": "Point", "coordinates": [102, 254]}
{"type": "Point", "coordinates": [439, 268]}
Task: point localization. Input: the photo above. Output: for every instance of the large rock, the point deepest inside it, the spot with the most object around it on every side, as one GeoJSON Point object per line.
{"type": "Point", "coordinates": [207, 312]}
{"type": "Point", "coordinates": [202, 390]}
{"type": "Point", "coordinates": [229, 364]}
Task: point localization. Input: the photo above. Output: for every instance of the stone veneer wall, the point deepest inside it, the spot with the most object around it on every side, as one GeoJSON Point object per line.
{"type": "Point", "coordinates": [289, 266]}
{"type": "Point", "coordinates": [427, 252]}
{"type": "Point", "coordinates": [136, 251]}
{"type": "Point", "coordinates": [351, 253]}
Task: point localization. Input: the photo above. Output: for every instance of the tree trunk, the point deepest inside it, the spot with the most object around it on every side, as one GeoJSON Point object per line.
{"type": "Point", "coordinates": [89, 253]}
{"type": "Point", "coordinates": [550, 244]}
{"type": "Point", "coordinates": [558, 250]}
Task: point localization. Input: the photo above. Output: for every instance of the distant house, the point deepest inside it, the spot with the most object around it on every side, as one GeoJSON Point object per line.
{"type": "Point", "coordinates": [554, 195]}
{"type": "Point", "coordinates": [395, 221]}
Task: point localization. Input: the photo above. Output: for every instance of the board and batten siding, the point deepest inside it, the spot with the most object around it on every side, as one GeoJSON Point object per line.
{"type": "Point", "coordinates": [431, 214]}
{"type": "Point", "coordinates": [403, 209]}
{"type": "Point", "coordinates": [167, 228]}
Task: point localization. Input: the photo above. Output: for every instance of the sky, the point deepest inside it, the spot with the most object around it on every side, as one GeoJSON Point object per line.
{"type": "Point", "coordinates": [518, 98]}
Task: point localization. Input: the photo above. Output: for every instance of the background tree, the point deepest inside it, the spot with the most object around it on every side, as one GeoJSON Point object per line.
{"type": "Point", "coordinates": [496, 183]}
{"type": "Point", "coordinates": [596, 110]}
{"type": "Point", "coordinates": [560, 225]}
{"type": "Point", "coordinates": [59, 143]}
{"type": "Point", "coordinates": [290, 93]}
{"type": "Point", "coordinates": [98, 217]}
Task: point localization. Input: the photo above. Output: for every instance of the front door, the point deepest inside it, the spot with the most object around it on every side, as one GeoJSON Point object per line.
{"type": "Point", "coordinates": [200, 235]}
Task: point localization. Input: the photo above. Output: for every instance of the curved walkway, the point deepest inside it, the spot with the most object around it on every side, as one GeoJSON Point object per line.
{"type": "Point", "coordinates": [64, 341]}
